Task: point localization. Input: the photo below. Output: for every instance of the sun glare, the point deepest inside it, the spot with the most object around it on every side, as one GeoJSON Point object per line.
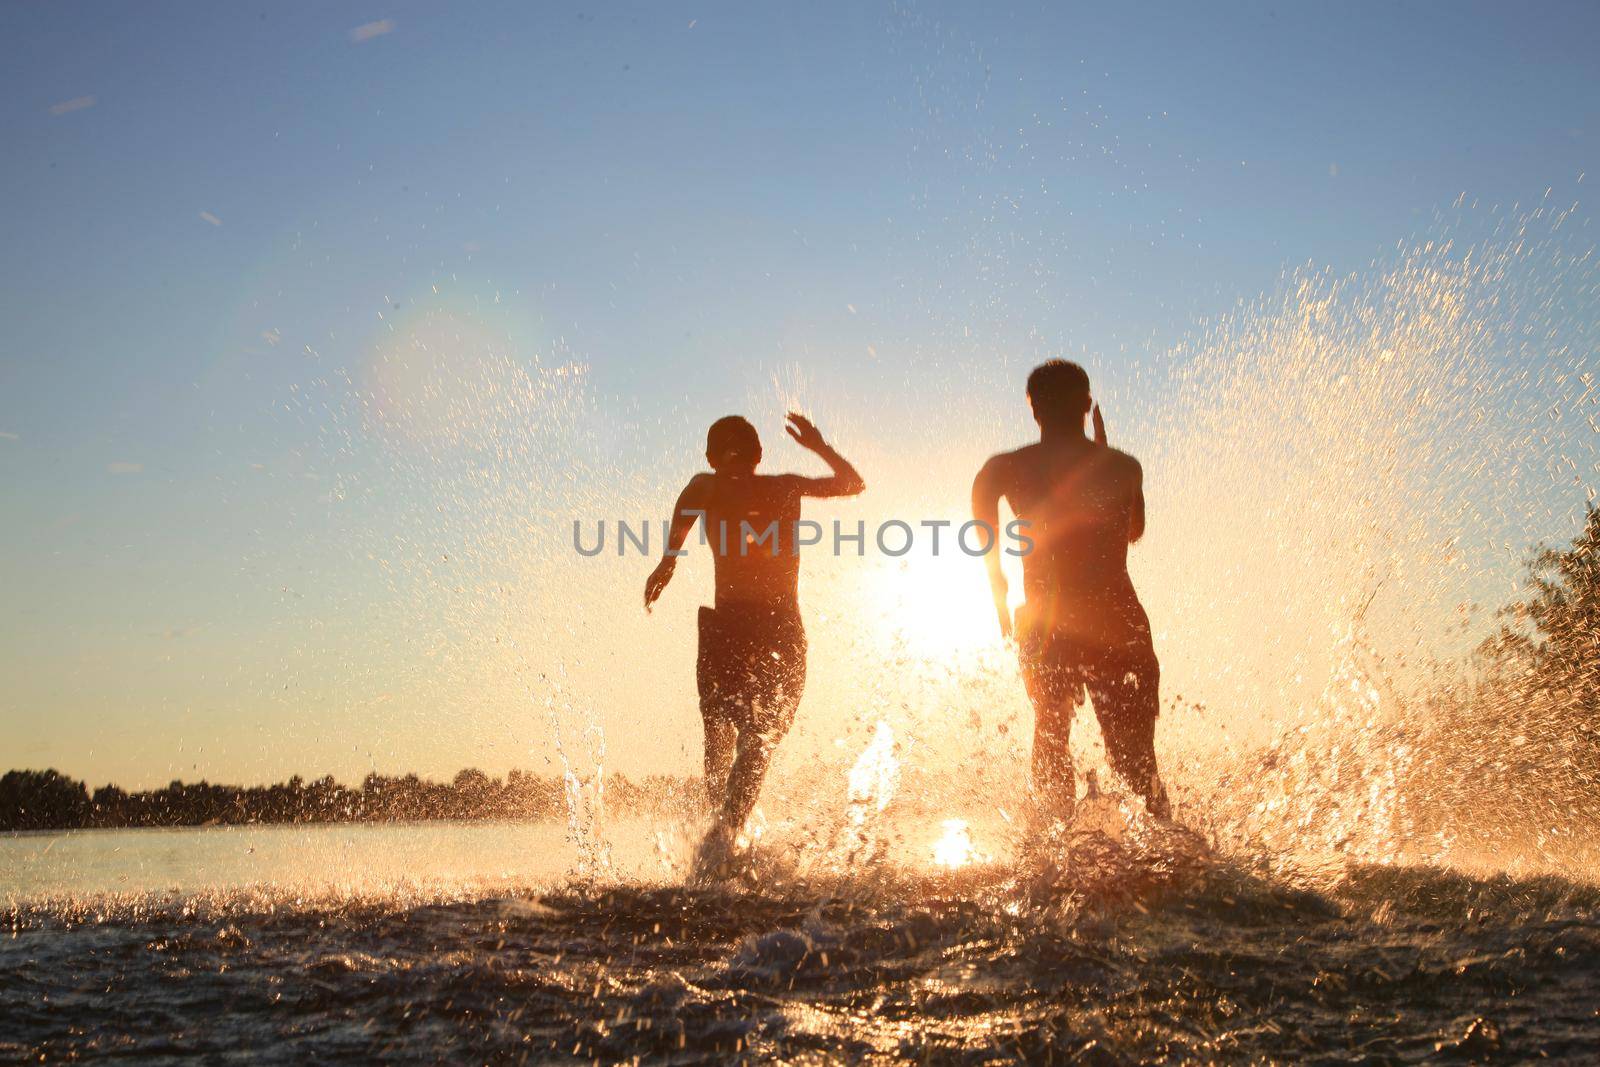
{"type": "Point", "coordinates": [935, 606]}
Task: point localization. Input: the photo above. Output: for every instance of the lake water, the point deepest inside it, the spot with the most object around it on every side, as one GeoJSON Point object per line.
{"type": "Point", "coordinates": [316, 858]}
{"type": "Point", "coordinates": [503, 942]}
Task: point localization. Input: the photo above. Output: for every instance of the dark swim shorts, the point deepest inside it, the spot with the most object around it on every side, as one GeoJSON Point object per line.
{"type": "Point", "coordinates": [1124, 681]}
{"type": "Point", "coordinates": [751, 669]}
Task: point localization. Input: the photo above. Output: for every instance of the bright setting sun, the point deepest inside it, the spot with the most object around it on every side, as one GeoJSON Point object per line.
{"type": "Point", "coordinates": [934, 607]}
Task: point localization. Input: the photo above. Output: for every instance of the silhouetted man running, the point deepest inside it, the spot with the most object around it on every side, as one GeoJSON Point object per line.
{"type": "Point", "coordinates": [751, 670]}
{"type": "Point", "coordinates": [1081, 627]}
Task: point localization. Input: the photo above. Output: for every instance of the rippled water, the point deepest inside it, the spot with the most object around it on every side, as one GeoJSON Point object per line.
{"type": "Point", "coordinates": [315, 859]}
{"type": "Point", "coordinates": [1080, 948]}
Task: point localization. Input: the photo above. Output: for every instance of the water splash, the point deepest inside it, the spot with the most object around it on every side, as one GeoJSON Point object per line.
{"type": "Point", "coordinates": [874, 776]}
{"type": "Point", "coordinates": [871, 784]}
{"type": "Point", "coordinates": [585, 795]}
{"type": "Point", "coordinates": [1344, 471]}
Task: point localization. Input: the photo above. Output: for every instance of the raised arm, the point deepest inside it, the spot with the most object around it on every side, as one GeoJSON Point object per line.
{"type": "Point", "coordinates": [690, 507]}
{"type": "Point", "coordinates": [1136, 514]}
{"type": "Point", "coordinates": [843, 482]}
{"type": "Point", "coordinates": [986, 492]}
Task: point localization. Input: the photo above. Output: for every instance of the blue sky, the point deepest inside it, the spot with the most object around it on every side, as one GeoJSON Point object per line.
{"type": "Point", "coordinates": [205, 208]}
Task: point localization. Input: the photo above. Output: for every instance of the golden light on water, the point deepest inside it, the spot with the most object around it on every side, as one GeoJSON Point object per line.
{"type": "Point", "coordinates": [954, 849]}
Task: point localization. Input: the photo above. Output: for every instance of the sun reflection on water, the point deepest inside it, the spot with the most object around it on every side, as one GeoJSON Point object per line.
{"type": "Point", "coordinates": [955, 848]}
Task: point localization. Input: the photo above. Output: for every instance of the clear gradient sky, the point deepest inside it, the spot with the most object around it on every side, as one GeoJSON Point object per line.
{"type": "Point", "coordinates": [208, 211]}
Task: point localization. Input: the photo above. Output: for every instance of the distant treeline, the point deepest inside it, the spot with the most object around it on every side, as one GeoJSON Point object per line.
{"type": "Point", "coordinates": [49, 800]}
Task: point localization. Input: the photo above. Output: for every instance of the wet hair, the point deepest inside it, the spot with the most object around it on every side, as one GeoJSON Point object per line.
{"type": "Point", "coordinates": [1058, 390]}
{"type": "Point", "coordinates": [732, 438]}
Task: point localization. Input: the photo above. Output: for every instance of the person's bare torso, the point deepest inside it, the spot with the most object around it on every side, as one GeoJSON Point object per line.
{"type": "Point", "coordinates": [756, 564]}
{"type": "Point", "coordinates": [1078, 500]}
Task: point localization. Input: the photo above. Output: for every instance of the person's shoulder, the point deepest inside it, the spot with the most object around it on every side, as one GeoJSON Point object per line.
{"type": "Point", "coordinates": [1007, 460]}
{"type": "Point", "coordinates": [781, 484]}
{"type": "Point", "coordinates": [700, 484]}
{"type": "Point", "coordinates": [1124, 462]}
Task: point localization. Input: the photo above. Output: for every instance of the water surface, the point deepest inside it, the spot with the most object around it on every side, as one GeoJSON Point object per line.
{"type": "Point", "coordinates": [1152, 949]}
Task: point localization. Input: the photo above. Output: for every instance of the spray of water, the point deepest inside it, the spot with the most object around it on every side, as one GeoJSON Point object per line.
{"type": "Point", "coordinates": [1347, 470]}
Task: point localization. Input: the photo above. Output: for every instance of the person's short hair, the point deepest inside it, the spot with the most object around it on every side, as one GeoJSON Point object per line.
{"type": "Point", "coordinates": [732, 438]}
{"type": "Point", "coordinates": [1058, 388]}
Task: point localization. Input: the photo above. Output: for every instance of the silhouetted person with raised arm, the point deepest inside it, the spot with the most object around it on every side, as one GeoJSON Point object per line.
{"type": "Point", "coordinates": [1081, 628]}
{"type": "Point", "coordinates": [751, 669]}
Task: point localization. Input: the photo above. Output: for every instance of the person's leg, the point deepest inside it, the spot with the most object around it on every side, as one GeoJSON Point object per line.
{"type": "Point", "coordinates": [1127, 700]}
{"type": "Point", "coordinates": [775, 688]}
{"type": "Point", "coordinates": [716, 678]}
{"type": "Point", "coordinates": [1055, 694]}
{"type": "Point", "coordinates": [1053, 780]}
{"type": "Point", "coordinates": [753, 757]}
{"type": "Point", "coordinates": [720, 739]}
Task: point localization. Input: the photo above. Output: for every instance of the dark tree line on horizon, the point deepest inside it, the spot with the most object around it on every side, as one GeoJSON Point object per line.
{"type": "Point", "coordinates": [50, 800]}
